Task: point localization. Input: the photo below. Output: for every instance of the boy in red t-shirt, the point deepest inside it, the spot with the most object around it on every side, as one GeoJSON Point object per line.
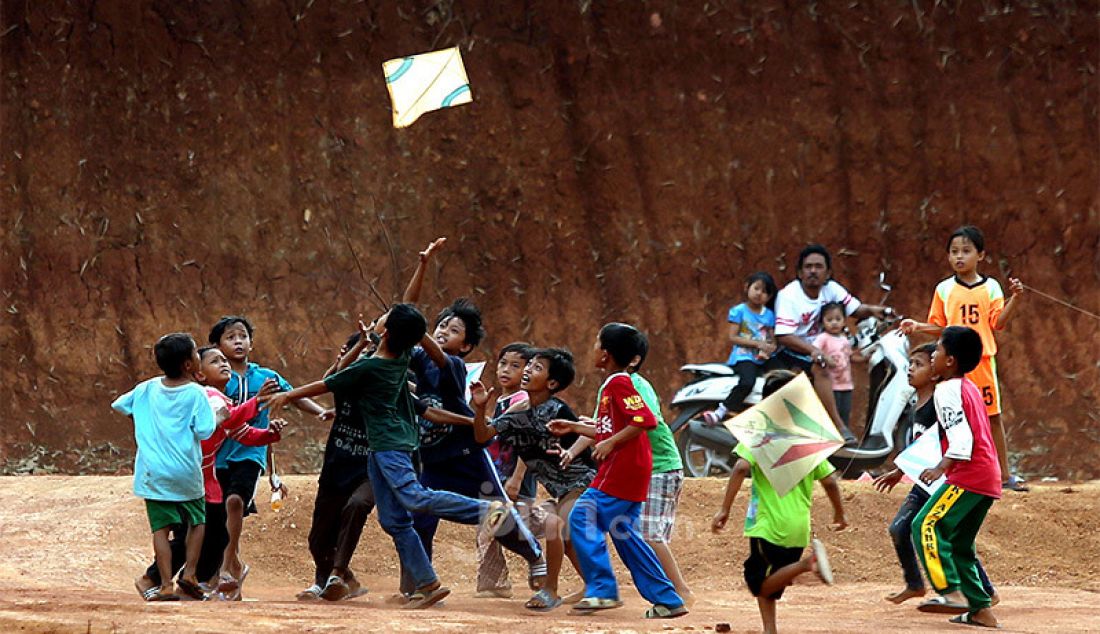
{"type": "Point", "coordinates": [945, 529]}
{"type": "Point", "coordinates": [613, 501]}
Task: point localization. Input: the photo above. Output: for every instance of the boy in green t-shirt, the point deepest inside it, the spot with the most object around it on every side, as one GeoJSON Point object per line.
{"type": "Point", "coordinates": [778, 528]}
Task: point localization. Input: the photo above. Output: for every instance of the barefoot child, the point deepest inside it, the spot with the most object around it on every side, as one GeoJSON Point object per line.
{"type": "Point", "coordinates": [947, 525]}
{"type": "Point", "coordinates": [923, 418]}
{"type": "Point", "coordinates": [171, 418]}
{"type": "Point", "coordinates": [971, 299]}
{"type": "Point", "coordinates": [613, 503]}
{"type": "Point", "coordinates": [525, 427]}
{"type": "Point", "coordinates": [231, 420]}
{"type": "Point", "coordinates": [778, 528]}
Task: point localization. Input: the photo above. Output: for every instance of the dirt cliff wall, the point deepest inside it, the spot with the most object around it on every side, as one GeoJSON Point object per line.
{"type": "Point", "coordinates": [165, 163]}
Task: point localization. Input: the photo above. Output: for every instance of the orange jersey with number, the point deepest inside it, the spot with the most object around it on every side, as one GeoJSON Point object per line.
{"type": "Point", "coordinates": [975, 306]}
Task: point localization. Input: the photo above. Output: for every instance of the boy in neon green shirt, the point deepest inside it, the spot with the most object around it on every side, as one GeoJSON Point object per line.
{"type": "Point", "coordinates": [778, 528]}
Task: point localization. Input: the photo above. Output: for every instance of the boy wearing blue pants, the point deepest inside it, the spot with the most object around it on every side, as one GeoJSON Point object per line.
{"type": "Point", "coordinates": [613, 502]}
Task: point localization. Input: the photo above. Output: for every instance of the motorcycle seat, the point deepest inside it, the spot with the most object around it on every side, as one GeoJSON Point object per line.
{"type": "Point", "coordinates": [712, 369]}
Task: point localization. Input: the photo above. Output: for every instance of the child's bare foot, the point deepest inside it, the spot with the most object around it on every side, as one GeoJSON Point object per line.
{"type": "Point", "coordinates": [689, 598]}
{"type": "Point", "coordinates": [904, 595]}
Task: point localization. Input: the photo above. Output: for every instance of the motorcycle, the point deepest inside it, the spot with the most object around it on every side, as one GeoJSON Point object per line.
{"type": "Point", "coordinates": [707, 450]}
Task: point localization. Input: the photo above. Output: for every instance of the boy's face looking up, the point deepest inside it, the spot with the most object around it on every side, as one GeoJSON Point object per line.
{"type": "Point", "coordinates": [450, 334]}
{"type": "Point", "coordinates": [235, 343]}
{"type": "Point", "coordinates": [510, 371]}
{"type": "Point", "coordinates": [963, 255]}
{"type": "Point", "coordinates": [536, 376]}
{"type": "Point", "coordinates": [920, 370]}
{"type": "Point", "coordinates": [214, 369]}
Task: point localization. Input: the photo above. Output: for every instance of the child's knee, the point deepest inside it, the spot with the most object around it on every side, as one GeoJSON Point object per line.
{"type": "Point", "coordinates": [234, 504]}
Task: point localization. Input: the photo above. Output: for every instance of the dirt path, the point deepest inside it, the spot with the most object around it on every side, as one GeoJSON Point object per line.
{"type": "Point", "coordinates": [70, 547]}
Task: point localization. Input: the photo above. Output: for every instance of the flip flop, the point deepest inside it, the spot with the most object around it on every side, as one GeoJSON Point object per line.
{"type": "Point", "coordinates": [426, 598]}
{"type": "Point", "coordinates": [335, 589]}
{"type": "Point", "coordinates": [824, 570]}
{"type": "Point", "coordinates": [665, 612]}
{"type": "Point", "coordinates": [312, 593]}
{"type": "Point", "coordinates": [940, 605]}
{"type": "Point", "coordinates": [545, 601]}
{"type": "Point", "coordinates": [355, 589]}
{"type": "Point", "coordinates": [147, 592]}
{"type": "Point", "coordinates": [967, 618]}
{"type": "Point", "coordinates": [163, 596]}
{"type": "Point", "coordinates": [589, 605]}
{"type": "Point", "coordinates": [191, 589]}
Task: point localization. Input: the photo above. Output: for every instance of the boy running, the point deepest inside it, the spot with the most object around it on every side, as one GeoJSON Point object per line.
{"type": "Point", "coordinates": [778, 528]}
{"type": "Point", "coordinates": [171, 418]}
{"type": "Point", "coordinates": [947, 525]}
{"type": "Point", "coordinates": [971, 299]}
{"type": "Point", "coordinates": [379, 384]}
{"type": "Point", "coordinates": [613, 503]}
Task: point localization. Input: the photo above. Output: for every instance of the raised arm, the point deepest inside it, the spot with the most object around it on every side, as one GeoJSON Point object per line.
{"type": "Point", "coordinates": [1016, 289]}
{"type": "Point", "coordinates": [412, 291]}
{"type": "Point", "coordinates": [480, 399]}
{"type": "Point", "coordinates": [281, 399]}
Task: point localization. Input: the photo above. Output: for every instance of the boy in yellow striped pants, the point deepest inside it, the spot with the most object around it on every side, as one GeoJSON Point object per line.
{"type": "Point", "coordinates": [945, 528]}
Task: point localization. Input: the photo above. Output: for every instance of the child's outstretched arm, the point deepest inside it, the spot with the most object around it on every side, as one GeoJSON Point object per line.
{"type": "Point", "coordinates": [832, 489]}
{"type": "Point", "coordinates": [582, 443]}
{"type": "Point", "coordinates": [443, 417]}
{"type": "Point", "coordinates": [412, 291]}
{"type": "Point", "coordinates": [1016, 290]}
{"type": "Point", "coordinates": [297, 395]}
{"type": "Point", "coordinates": [480, 398]}
{"type": "Point", "coordinates": [604, 448]}
{"type": "Point", "coordinates": [741, 469]}
{"type": "Point", "coordinates": [582, 427]}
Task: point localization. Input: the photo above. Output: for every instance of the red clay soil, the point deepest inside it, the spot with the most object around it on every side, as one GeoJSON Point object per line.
{"type": "Point", "coordinates": [71, 547]}
{"type": "Point", "coordinates": [165, 163]}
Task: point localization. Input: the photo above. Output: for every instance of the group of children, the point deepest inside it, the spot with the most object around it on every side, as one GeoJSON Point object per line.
{"type": "Point", "coordinates": [407, 439]}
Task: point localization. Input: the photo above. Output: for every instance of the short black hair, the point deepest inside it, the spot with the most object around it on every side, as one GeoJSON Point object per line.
{"type": "Point", "coordinates": [811, 249]}
{"type": "Point", "coordinates": [774, 380]}
{"type": "Point", "coordinates": [204, 349]}
{"type": "Point", "coordinates": [965, 344]}
{"type": "Point", "coordinates": [623, 342]}
{"type": "Point", "coordinates": [172, 352]}
{"type": "Point", "coordinates": [769, 284]}
{"type": "Point", "coordinates": [559, 366]}
{"type": "Point", "coordinates": [832, 306]}
{"type": "Point", "coordinates": [405, 327]}
{"type": "Point", "coordinates": [224, 323]}
{"type": "Point", "coordinates": [465, 310]}
{"type": "Point", "coordinates": [643, 353]}
{"type": "Point", "coordinates": [971, 233]}
{"type": "Point", "coordinates": [927, 349]}
{"type": "Point", "coordinates": [522, 348]}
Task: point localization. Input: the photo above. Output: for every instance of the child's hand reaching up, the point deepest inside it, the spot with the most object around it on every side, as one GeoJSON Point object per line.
{"type": "Point", "coordinates": [267, 390]}
{"type": "Point", "coordinates": [426, 254]}
{"type": "Point", "coordinates": [278, 424]}
{"type": "Point", "coordinates": [480, 397]}
{"type": "Point", "coordinates": [1015, 286]}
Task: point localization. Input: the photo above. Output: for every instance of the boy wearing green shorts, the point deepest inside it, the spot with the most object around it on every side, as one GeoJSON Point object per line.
{"type": "Point", "coordinates": [171, 417]}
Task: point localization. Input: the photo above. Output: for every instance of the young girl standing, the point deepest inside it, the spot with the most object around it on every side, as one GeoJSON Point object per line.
{"type": "Point", "coordinates": [752, 332]}
{"type": "Point", "coordinates": [838, 357]}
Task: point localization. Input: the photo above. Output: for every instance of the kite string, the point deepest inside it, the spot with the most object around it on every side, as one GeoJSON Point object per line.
{"type": "Point", "coordinates": [1062, 302]}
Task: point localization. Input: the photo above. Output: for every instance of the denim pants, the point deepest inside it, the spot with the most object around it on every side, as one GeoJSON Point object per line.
{"type": "Point", "coordinates": [596, 514]}
{"type": "Point", "coordinates": [902, 535]}
{"type": "Point", "coordinates": [398, 494]}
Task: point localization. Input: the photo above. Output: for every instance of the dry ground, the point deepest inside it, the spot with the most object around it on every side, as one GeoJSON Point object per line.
{"type": "Point", "coordinates": [70, 547]}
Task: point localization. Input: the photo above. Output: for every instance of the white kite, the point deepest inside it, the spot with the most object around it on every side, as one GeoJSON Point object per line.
{"type": "Point", "coordinates": [425, 82]}
{"type": "Point", "coordinates": [789, 434]}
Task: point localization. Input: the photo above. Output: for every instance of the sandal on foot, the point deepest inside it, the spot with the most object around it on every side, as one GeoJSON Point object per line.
{"type": "Point", "coordinates": [824, 570]}
{"type": "Point", "coordinates": [494, 593]}
{"type": "Point", "coordinates": [191, 589]}
{"type": "Point", "coordinates": [536, 574]}
{"type": "Point", "coordinates": [966, 618]}
{"type": "Point", "coordinates": [145, 592]}
{"type": "Point", "coordinates": [312, 593]}
{"type": "Point", "coordinates": [665, 612]}
{"type": "Point", "coordinates": [940, 605]}
{"type": "Point", "coordinates": [542, 601]}
{"type": "Point", "coordinates": [163, 596]}
{"type": "Point", "coordinates": [335, 589]}
{"type": "Point", "coordinates": [427, 596]}
{"type": "Point", "coordinates": [355, 589]}
{"type": "Point", "coordinates": [588, 605]}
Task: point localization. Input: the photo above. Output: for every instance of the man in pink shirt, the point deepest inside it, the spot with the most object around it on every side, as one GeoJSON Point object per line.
{"type": "Point", "coordinates": [945, 529]}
